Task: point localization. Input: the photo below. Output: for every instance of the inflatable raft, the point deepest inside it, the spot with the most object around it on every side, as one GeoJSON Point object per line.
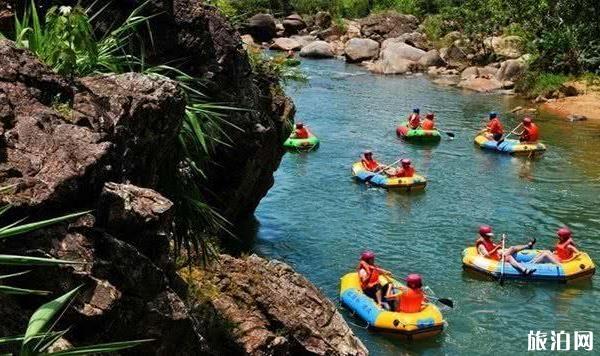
{"type": "Point", "coordinates": [415, 182]}
{"type": "Point", "coordinates": [426, 323]}
{"type": "Point", "coordinates": [302, 144]}
{"type": "Point", "coordinates": [581, 266]}
{"type": "Point", "coordinates": [513, 147]}
{"type": "Point", "coordinates": [418, 135]}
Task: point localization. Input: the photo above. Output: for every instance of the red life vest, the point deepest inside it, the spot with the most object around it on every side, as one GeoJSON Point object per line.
{"type": "Point", "coordinates": [495, 127]}
{"type": "Point", "coordinates": [489, 245]}
{"type": "Point", "coordinates": [411, 301]}
{"type": "Point", "coordinates": [372, 273]}
{"type": "Point", "coordinates": [370, 164]}
{"type": "Point", "coordinates": [414, 120]}
{"type": "Point", "coordinates": [405, 172]}
{"type": "Point", "coordinates": [531, 133]}
{"type": "Point", "coordinates": [301, 133]}
{"type": "Point", "coordinates": [562, 250]}
{"type": "Point", "coordinates": [428, 124]}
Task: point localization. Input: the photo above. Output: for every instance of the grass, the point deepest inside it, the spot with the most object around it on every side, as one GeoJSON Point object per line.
{"type": "Point", "coordinates": [535, 84]}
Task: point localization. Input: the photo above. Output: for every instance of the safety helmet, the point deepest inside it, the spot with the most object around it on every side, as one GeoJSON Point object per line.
{"type": "Point", "coordinates": [527, 121]}
{"type": "Point", "coordinates": [416, 110]}
{"type": "Point", "coordinates": [367, 152]}
{"type": "Point", "coordinates": [414, 281]}
{"type": "Point", "coordinates": [299, 125]}
{"type": "Point", "coordinates": [486, 231]}
{"type": "Point", "coordinates": [367, 256]}
{"type": "Point", "coordinates": [429, 115]}
{"type": "Point", "coordinates": [564, 233]}
{"type": "Point", "coordinates": [493, 115]}
{"type": "Point", "coordinates": [405, 162]}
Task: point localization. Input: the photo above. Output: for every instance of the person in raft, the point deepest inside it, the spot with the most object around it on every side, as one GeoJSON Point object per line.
{"type": "Point", "coordinates": [407, 299]}
{"type": "Point", "coordinates": [301, 132]}
{"type": "Point", "coordinates": [494, 129]}
{"type": "Point", "coordinates": [368, 273]}
{"type": "Point", "coordinates": [405, 171]}
{"type": "Point", "coordinates": [428, 123]}
{"type": "Point", "coordinates": [487, 248]}
{"type": "Point", "coordinates": [564, 250]}
{"type": "Point", "coordinates": [530, 131]}
{"type": "Point", "coordinates": [368, 162]}
{"type": "Point", "coordinates": [414, 120]}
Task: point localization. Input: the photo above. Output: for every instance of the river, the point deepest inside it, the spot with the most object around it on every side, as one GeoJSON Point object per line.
{"type": "Point", "coordinates": [318, 219]}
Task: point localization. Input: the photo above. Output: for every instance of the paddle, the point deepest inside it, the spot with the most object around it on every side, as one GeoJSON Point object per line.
{"type": "Point", "coordinates": [445, 301]}
{"type": "Point", "coordinates": [450, 134]}
{"type": "Point", "coordinates": [512, 132]}
{"type": "Point", "coordinates": [375, 172]}
{"type": "Point", "coordinates": [501, 279]}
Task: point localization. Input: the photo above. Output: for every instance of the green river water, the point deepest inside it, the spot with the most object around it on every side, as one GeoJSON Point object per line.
{"type": "Point", "coordinates": [318, 219]}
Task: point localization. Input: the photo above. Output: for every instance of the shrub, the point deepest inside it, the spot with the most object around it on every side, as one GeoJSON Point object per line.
{"type": "Point", "coordinates": [534, 84]}
{"type": "Point", "coordinates": [433, 27]}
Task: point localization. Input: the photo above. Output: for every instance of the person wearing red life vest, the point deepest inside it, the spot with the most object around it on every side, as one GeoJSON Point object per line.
{"type": "Point", "coordinates": [409, 299]}
{"type": "Point", "coordinates": [406, 170]}
{"type": "Point", "coordinates": [564, 250]}
{"type": "Point", "coordinates": [487, 248]}
{"type": "Point", "coordinates": [414, 120]}
{"type": "Point", "coordinates": [301, 132]}
{"type": "Point", "coordinates": [368, 162]}
{"type": "Point", "coordinates": [494, 129]}
{"type": "Point", "coordinates": [428, 123]}
{"type": "Point", "coordinates": [530, 131]}
{"type": "Point", "coordinates": [368, 273]}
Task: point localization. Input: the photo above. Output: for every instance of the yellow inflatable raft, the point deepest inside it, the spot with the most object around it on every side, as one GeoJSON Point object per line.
{"type": "Point", "coordinates": [513, 147]}
{"type": "Point", "coordinates": [415, 182]}
{"type": "Point", "coordinates": [580, 266]}
{"type": "Point", "coordinates": [426, 323]}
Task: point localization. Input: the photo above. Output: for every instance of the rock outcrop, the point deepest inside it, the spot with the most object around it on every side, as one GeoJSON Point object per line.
{"type": "Point", "coordinates": [241, 291]}
{"type": "Point", "coordinates": [261, 27]}
{"type": "Point", "coordinates": [360, 49]}
{"type": "Point", "coordinates": [293, 24]}
{"type": "Point", "coordinates": [432, 59]}
{"type": "Point", "coordinates": [285, 44]}
{"type": "Point", "coordinates": [511, 47]}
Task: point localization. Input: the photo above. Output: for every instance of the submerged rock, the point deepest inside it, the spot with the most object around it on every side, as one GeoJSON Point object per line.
{"type": "Point", "coordinates": [273, 310]}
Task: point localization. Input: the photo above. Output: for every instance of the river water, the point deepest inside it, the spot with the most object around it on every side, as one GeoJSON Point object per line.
{"type": "Point", "coordinates": [318, 219]}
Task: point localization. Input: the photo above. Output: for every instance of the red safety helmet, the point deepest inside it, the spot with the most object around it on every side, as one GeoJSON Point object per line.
{"type": "Point", "coordinates": [299, 125]}
{"type": "Point", "coordinates": [527, 121]}
{"type": "Point", "coordinates": [564, 233]}
{"type": "Point", "coordinates": [486, 231]}
{"type": "Point", "coordinates": [414, 281]}
{"type": "Point", "coordinates": [429, 115]}
{"type": "Point", "coordinates": [405, 162]}
{"type": "Point", "coordinates": [368, 256]}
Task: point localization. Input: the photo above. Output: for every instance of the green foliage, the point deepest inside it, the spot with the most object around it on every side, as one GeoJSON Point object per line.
{"type": "Point", "coordinates": [433, 27]}
{"type": "Point", "coordinates": [278, 67]}
{"type": "Point", "coordinates": [535, 83]}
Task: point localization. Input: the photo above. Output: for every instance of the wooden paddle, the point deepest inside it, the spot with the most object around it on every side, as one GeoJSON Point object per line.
{"type": "Point", "coordinates": [512, 132]}
{"type": "Point", "coordinates": [375, 172]}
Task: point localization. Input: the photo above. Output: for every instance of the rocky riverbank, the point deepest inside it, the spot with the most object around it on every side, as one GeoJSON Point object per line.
{"type": "Point", "coordinates": [103, 144]}
{"type": "Point", "coordinates": [390, 43]}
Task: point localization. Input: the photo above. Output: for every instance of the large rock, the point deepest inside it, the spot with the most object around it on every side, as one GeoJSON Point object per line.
{"type": "Point", "coordinates": [380, 26]}
{"type": "Point", "coordinates": [261, 27]}
{"type": "Point", "coordinates": [454, 56]}
{"type": "Point", "coordinates": [432, 59]}
{"type": "Point", "coordinates": [482, 85]}
{"type": "Point", "coordinates": [415, 39]}
{"type": "Point", "coordinates": [398, 48]}
{"type": "Point", "coordinates": [293, 24]}
{"type": "Point", "coordinates": [506, 46]}
{"type": "Point", "coordinates": [510, 70]}
{"type": "Point", "coordinates": [317, 49]}
{"type": "Point", "coordinates": [294, 318]}
{"type": "Point", "coordinates": [304, 40]}
{"type": "Point", "coordinates": [7, 16]}
{"type": "Point", "coordinates": [358, 50]}
{"type": "Point", "coordinates": [285, 44]}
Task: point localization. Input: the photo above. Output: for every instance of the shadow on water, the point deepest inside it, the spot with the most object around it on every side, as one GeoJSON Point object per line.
{"type": "Point", "coordinates": [318, 219]}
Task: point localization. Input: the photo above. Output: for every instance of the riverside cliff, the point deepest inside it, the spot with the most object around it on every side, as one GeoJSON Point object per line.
{"type": "Point", "coordinates": [106, 153]}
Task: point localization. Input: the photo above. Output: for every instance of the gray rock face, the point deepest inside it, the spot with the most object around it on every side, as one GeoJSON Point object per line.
{"type": "Point", "coordinates": [308, 322]}
{"type": "Point", "coordinates": [454, 56]}
{"type": "Point", "coordinates": [304, 40]}
{"type": "Point", "coordinates": [322, 20]}
{"type": "Point", "coordinates": [358, 50]}
{"type": "Point", "coordinates": [317, 49]}
{"type": "Point", "coordinates": [394, 48]}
